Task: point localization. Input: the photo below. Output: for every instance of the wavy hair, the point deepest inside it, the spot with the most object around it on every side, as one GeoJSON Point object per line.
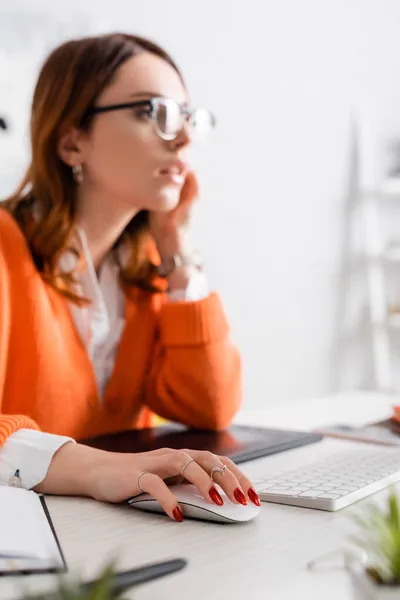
{"type": "Point", "coordinates": [70, 81]}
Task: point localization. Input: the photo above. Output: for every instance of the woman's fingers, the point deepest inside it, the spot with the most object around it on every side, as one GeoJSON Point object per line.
{"type": "Point", "coordinates": [226, 478]}
{"type": "Point", "coordinates": [187, 466]}
{"type": "Point", "coordinates": [154, 485]}
{"type": "Point", "coordinates": [179, 463]}
{"type": "Point", "coordinates": [196, 467]}
{"type": "Point", "coordinates": [244, 482]}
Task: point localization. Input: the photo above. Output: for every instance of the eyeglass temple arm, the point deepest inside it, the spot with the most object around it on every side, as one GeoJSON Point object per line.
{"type": "Point", "coordinates": [100, 109]}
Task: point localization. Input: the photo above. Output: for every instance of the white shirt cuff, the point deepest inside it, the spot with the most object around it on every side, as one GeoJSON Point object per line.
{"type": "Point", "coordinates": [196, 289]}
{"type": "Point", "coordinates": [30, 452]}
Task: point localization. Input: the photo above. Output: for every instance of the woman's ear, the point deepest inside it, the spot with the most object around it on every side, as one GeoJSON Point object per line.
{"type": "Point", "coordinates": [70, 147]}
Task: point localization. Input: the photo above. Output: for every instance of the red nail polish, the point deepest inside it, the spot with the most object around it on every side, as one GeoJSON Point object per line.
{"type": "Point", "coordinates": [254, 497]}
{"type": "Point", "coordinates": [178, 514]}
{"type": "Point", "coordinates": [240, 497]}
{"type": "Point", "coordinates": [215, 497]}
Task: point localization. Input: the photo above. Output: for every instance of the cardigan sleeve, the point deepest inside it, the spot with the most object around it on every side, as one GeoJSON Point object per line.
{"type": "Point", "coordinates": [8, 423]}
{"type": "Point", "coordinates": [195, 377]}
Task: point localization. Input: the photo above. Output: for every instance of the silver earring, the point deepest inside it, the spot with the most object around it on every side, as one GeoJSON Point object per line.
{"type": "Point", "coordinates": [77, 173]}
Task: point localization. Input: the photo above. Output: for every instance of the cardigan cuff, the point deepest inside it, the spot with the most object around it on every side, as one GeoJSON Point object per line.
{"type": "Point", "coordinates": [193, 323]}
{"type": "Point", "coordinates": [11, 423]}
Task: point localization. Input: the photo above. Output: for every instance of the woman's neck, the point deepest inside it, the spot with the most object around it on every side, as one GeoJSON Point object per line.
{"type": "Point", "coordinates": [103, 221]}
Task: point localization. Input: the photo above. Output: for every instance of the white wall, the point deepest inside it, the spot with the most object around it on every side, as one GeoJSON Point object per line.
{"type": "Point", "coordinates": [276, 226]}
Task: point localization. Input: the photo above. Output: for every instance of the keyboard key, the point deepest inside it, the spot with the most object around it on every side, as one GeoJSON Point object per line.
{"type": "Point", "coordinates": [280, 492]}
{"type": "Point", "coordinates": [293, 481]}
{"type": "Point", "coordinates": [311, 494]}
{"type": "Point", "coordinates": [329, 496]}
{"type": "Point", "coordinates": [271, 482]}
{"type": "Point", "coordinates": [312, 483]}
{"type": "Point", "coordinates": [362, 482]}
{"type": "Point", "coordinates": [337, 482]}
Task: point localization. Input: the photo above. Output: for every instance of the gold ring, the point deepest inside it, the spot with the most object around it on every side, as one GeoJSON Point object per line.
{"type": "Point", "coordinates": [138, 481]}
{"type": "Point", "coordinates": [185, 465]}
{"type": "Point", "coordinates": [217, 470]}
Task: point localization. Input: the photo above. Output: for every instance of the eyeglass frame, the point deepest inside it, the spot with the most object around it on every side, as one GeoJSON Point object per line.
{"type": "Point", "coordinates": [185, 112]}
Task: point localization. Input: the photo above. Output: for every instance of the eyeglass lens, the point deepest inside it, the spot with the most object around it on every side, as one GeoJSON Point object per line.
{"type": "Point", "coordinates": [169, 119]}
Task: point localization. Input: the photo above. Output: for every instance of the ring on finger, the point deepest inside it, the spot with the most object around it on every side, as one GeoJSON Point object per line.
{"type": "Point", "coordinates": [220, 470]}
{"type": "Point", "coordinates": [138, 481]}
{"type": "Point", "coordinates": [186, 465]}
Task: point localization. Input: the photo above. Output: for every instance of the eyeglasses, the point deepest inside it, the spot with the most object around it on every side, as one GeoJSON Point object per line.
{"type": "Point", "coordinates": [168, 117]}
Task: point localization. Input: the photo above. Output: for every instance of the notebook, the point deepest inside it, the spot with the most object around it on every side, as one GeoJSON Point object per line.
{"type": "Point", "coordinates": [28, 541]}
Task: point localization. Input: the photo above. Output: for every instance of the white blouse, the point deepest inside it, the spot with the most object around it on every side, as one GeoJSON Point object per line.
{"type": "Point", "coordinates": [100, 325]}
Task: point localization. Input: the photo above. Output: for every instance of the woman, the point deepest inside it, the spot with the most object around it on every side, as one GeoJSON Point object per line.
{"type": "Point", "coordinates": [106, 318]}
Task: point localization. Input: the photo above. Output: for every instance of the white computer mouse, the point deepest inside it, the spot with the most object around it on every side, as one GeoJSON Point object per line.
{"type": "Point", "coordinates": [194, 506]}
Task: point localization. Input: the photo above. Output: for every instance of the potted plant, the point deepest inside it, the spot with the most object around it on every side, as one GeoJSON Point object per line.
{"type": "Point", "coordinates": [379, 537]}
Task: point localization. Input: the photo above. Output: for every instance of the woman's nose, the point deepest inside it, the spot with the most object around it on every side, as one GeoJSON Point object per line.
{"type": "Point", "coordinates": [183, 138]}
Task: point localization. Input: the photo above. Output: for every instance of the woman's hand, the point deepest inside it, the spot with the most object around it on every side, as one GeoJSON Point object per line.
{"type": "Point", "coordinates": [114, 477]}
{"type": "Point", "coordinates": [170, 231]}
{"type": "Point", "coordinates": [175, 222]}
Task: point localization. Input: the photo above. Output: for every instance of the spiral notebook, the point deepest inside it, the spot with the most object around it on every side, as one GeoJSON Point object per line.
{"type": "Point", "coordinates": [28, 541]}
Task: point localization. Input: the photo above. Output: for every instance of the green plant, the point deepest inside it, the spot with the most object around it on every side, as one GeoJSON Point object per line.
{"type": "Point", "coordinates": [380, 528]}
{"type": "Point", "coordinates": [73, 590]}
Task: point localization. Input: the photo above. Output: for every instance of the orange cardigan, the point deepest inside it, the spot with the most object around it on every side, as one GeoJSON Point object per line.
{"type": "Point", "coordinates": [174, 359]}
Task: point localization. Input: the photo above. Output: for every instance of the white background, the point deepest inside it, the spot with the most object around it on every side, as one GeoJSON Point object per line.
{"type": "Point", "coordinates": [278, 224]}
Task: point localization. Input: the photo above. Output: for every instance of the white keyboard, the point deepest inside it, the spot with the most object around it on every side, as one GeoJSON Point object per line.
{"type": "Point", "coordinates": [334, 482]}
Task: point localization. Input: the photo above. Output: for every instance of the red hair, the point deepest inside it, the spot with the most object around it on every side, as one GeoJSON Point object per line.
{"type": "Point", "coordinates": [69, 83]}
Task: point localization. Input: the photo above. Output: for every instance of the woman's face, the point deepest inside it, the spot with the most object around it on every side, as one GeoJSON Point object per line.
{"type": "Point", "coordinates": [122, 156]}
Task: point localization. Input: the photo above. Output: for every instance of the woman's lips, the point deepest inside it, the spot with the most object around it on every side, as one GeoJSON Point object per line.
{"type": "Point", "coordinates": [174, 173]}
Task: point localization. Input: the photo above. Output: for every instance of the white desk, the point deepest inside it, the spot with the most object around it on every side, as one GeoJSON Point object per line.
{"type": "Point", "coordinates": [265, 558]}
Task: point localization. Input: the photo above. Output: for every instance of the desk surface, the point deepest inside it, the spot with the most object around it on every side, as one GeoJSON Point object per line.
{"type": "Point", "coordinates": [265, 558]}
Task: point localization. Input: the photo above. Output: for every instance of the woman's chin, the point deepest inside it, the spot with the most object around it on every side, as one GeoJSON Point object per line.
{"type": "Point", "coordinates": [166, 201]}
